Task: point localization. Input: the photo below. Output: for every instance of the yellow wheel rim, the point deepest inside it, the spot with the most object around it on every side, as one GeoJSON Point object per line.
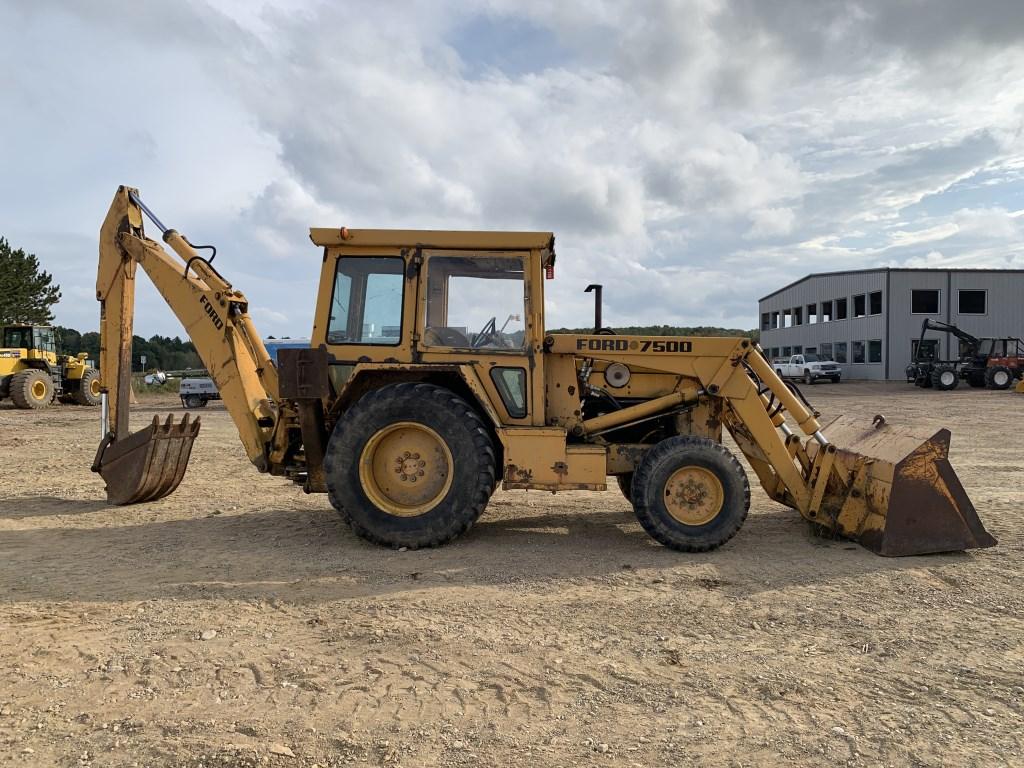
{"type": "Point", "coordinates": [94, 387]}
{"type": "Point", "coordinates": [694, 495]}
{"type": "Point", "coordinates": [38, 390]}
{"type": "Point", "coordinates": [406, 469]}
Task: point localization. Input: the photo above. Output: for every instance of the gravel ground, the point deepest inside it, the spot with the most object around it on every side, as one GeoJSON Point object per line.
{"type": "Point", "coordinates": [240, 623]}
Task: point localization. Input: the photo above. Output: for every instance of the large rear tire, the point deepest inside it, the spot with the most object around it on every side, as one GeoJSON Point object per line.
{"type": "Point", "coordinates": [690, 493]}
{"type": "Point", "coordinates": [32, 389]}
{"type": "Point", "coordinates": [410, 465]}
{"type": "Point", "coordinates": [945, 378]}
{"type": "Point", "coordinates": [998, 377]}
{"type": "Point", "coordinates": [88, 392]}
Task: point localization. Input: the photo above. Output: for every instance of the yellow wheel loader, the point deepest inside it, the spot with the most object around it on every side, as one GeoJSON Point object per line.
{"type": "Point", "coordinates": [33, 375]}
{"type": "Point", "coordinates": [430, 380]}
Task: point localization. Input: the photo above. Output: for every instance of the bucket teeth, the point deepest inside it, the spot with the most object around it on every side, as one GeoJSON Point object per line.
{"type": "Point", "coordinates": [148, 464]}
{"type": "Point", "coordinates": [898, 494]}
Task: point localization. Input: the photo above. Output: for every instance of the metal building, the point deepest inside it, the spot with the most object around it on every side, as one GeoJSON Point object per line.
{"type": "Point", "coordinates": [869, 320]}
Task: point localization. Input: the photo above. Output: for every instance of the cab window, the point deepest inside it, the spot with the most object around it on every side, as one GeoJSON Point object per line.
{"type": "Point", "coordinates": [476, 302]}
{"type": "Point", "coordinates": [43, 339]}
{"type": "Point", "coordinates": [366, 307]}
{"type": "Point", "coordinates": [18, 338]}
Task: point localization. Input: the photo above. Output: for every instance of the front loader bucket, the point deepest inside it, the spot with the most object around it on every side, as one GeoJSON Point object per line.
{"type": "Point", "coordinates": [900, 495]}
{"type": "Point", "coordinates": [148, 464]}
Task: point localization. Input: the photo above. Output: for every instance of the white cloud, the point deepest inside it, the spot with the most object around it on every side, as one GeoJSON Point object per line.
{"type": "Point", "coordinates": [692, 155]}
{"type": "Point", "coordinates": [770, 222]}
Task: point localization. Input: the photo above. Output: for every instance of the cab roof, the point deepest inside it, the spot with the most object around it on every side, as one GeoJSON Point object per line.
{"type": "Point", "coordinates": [431, 238]}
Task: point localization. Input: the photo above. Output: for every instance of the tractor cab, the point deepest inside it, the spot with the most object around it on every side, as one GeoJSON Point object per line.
{"type": "Point", "coordinates": [37, 340]}
{"type": "Point", "coordinates": [473, 301]}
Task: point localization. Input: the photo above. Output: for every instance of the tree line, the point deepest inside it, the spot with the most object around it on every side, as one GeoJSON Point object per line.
{"type": "Point", "coordinates": [162, 352]}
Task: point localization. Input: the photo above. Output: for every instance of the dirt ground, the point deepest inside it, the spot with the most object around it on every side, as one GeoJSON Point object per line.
{"type": "Point", "coordinates": [239, 622]}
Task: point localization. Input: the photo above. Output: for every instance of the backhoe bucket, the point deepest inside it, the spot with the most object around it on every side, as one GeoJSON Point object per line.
{"type": "Point", "coordinates": [148, 464]}
{"type": "Point", "coordinates": [900, 495]}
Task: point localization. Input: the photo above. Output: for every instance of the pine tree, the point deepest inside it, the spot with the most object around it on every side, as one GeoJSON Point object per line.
{"type": "Point", "coordinates": [27, 293]}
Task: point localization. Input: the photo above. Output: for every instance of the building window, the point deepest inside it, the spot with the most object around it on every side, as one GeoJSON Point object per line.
{"type": "Point", "coordinates": [826, 312]}
{"type": "Point", "coordinates": [858, 351]}
{"type": "Point", "coordinates": [826, 350]}
{"type": "Point", "coordinates": [840, 309]}
{"type": "Point", "coordinates": [875, 351]}
{"type": "Point", "coordinates": [798, 318]}
{"type": "Point", "coordinates": [775, 320]}
{"type": "Point", "coordinates": [875, 303]}
{"type": "Point", "coordinates": [765, 319]}
{"type": "Point", "coordinates": [811, 350]}
{"type": "Point", "coordinates": [774, 352]}
{"type": "Point", "coordinates": [798, 350]}
{"type": "Point", "coordinates": [859, 306]}
{"type": "Point", "coordinates": [812, 312]}
{"type": "Point", "coordinates": [924, 301]}
{"type": "Point", "coordinates": [840, 351]}
{"type": "Point", "coordinates": [972, 302]}
{"type": "Point", "coordinates": [787, 351]}
{"type": "Point", "coordinates": [786, 319]}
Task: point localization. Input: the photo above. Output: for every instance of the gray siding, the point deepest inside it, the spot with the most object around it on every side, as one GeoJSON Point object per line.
{"type": "Point", "coordinates": [824, 288]}
{"type": "Point", "coordinates": [897, 326]}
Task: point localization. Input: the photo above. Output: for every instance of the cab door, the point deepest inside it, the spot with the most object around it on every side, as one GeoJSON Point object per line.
{"type": "Point", "coordinates": [476, 311]}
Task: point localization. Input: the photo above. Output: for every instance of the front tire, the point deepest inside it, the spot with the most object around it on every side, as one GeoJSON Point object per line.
{"type": "Point", "coordinates": [32, 389]}
{"type": "Point", "coordinates": [690, 494]}
{"type": "Point", "coordinates": [88, 392]}
{"type": "Point", "coordinates": [945, 378]}
{"type": "Point", "coordinates": [410, 465]}
{"type": "Point", "coordinates": [808, 379]}
{"type": "Point", "coordinates": [193, 401]}
{"type": "Point", "coordinates": [998, 377]}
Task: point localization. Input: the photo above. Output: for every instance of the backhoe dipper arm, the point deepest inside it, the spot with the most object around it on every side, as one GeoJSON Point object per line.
{"type": "Point", "coordinates": [214, 315]}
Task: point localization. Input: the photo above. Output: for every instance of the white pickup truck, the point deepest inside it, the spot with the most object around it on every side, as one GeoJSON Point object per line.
{"type": "Point", "coordinates": [808, 367]}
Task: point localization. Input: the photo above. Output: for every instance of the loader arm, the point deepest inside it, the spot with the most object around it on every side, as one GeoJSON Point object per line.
{"type": "Point", "coordinates": [937, 325]}
{"type": "Point", "coordinates": [889, 487]}
{"type": "Point", "coordinates": [216, 318]}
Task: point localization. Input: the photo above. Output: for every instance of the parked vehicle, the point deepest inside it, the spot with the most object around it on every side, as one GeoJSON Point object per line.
{"type": "Point", "coordinates": [409, 425]}
{"type": "Point", "coordinates": [809, 367]}
{"type": "Point", "coordinates": [197, 391]}
{"type": "Point", "coordinates": [983, 362]}
{"type": "Point", "coordinates": [33, 375]}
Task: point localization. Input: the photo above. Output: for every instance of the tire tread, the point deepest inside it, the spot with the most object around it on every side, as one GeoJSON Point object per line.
{"type": "Point", "coordinates": [354, 420]}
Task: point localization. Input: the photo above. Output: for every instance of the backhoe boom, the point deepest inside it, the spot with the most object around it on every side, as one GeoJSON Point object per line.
{"type": "Point", "coordinates": [216, 319]}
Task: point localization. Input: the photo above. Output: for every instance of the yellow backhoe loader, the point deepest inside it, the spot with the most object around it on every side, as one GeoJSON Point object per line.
{"type": "Point", "coordinates": [430, 380]}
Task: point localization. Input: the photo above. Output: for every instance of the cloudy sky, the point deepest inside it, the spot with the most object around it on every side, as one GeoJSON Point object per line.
{"type": "Point", "coordinates": [692, 155]}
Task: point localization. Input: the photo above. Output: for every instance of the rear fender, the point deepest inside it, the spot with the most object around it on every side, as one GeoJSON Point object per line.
{"type": "Point", "coordinates": [461, 379]}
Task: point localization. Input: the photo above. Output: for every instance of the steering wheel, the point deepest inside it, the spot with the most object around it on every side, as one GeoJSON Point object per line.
{"type": "Point", "coordinates": [489, 330]}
